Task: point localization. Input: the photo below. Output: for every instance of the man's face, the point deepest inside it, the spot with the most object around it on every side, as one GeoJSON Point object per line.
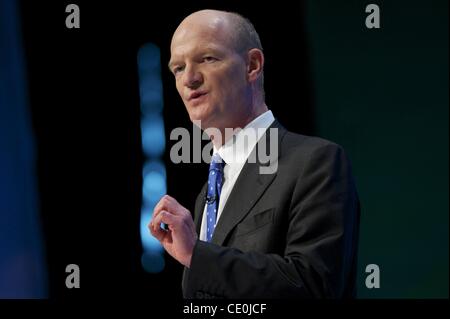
{"type": "Point", "coordinates": [210, 75]}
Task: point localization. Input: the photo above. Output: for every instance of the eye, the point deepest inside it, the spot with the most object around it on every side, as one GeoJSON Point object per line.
{"type": "Point", "coordinates": [209, 59]}
{"type": "Point", "coordinates": [177, 70]}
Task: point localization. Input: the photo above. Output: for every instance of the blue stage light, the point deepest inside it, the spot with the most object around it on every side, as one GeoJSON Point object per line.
{"type": "Point", "coordinates": [153, 146]}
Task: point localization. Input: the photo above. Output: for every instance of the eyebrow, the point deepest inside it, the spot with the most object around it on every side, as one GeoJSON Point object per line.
{"type": "Point", "coordinates": [209, 48]}
{"type": "Point", "coordinates": [171, 64]}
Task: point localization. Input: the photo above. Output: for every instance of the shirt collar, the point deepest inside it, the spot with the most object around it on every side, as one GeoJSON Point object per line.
{"type": "Point", "coordinates": [238, 148]}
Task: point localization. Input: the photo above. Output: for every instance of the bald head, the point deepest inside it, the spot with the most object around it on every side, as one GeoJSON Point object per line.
{"type": "Point", "coordinates": [239, 30]}
{"type": "Point", "coordinates": [205, 22]}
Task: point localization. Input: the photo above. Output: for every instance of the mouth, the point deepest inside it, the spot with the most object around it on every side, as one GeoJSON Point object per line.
{"type": "Point", "coordinates": [196, 96]}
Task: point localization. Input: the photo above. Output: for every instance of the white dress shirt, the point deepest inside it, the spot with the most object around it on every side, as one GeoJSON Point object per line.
{"type": "Point", "coordinates": [235, 153]}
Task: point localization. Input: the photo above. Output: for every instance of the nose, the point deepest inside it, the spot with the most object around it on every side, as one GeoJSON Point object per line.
{"type": "Point", "coordinates": [192, 78]}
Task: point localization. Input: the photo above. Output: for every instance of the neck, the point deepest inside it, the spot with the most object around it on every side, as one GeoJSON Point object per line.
{"type": "Point", "coordinates": [220, 136]}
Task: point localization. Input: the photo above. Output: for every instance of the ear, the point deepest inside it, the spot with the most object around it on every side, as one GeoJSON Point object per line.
{"type": "Point", "coordinates": [255, 64]}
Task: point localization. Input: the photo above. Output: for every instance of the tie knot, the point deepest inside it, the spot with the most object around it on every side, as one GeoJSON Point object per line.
{"type": "Point", "coordinates": [217, 163]}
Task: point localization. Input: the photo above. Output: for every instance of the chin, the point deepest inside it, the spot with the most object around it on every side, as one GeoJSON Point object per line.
{"type": "Point", "coordinates": [199, 116]}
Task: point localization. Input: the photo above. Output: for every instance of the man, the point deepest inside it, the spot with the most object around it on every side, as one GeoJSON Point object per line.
{"type": "Point", "coordinates": [291, 233]}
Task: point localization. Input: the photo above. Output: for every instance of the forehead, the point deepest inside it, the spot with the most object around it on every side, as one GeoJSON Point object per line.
{"type": "Point", "coordinates": [192, 36]}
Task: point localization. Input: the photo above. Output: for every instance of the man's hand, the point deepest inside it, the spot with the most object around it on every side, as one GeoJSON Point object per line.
{"type": "Point", "coordinates": [179, 240]}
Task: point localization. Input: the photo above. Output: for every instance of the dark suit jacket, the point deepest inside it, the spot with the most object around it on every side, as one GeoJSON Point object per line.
{"type": "Point", "coordinates": [291, 234]}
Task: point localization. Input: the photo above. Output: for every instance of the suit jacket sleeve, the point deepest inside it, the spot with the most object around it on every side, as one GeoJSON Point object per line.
{"type": "Point", "coordinates": [321, 239]}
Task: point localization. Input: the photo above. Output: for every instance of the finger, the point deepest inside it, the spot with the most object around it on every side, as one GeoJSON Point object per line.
{"type": "Point", "coordinates": [156, 211]}
{"type": "Point", "coordinates": [155, 223]}
{"type": "Point", "coordinates": [172, 200]}
{"type": "Point", "coordinates": [164, 203]}
{"type": "Point", "coordinates": [156, 230]}
{"type": "Point", "coordinates": [167, 203]}
{"type": "Point", "coordinates": [159, 235]}
{"type": "Point", "coordinates": [166, 218]}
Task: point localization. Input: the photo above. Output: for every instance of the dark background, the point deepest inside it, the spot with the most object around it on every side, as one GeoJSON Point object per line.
{"type": "Point", "coordinates": [382, 94]}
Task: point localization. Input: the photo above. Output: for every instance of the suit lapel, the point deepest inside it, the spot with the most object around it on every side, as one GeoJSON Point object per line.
{"type": "Point", "coordinates": [247, 190]}
{"type": "Point", "coordinates": [199, 208]}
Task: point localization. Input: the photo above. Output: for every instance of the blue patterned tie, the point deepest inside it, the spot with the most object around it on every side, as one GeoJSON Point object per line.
{"type": "Point", "coordinates": [215, 181]}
